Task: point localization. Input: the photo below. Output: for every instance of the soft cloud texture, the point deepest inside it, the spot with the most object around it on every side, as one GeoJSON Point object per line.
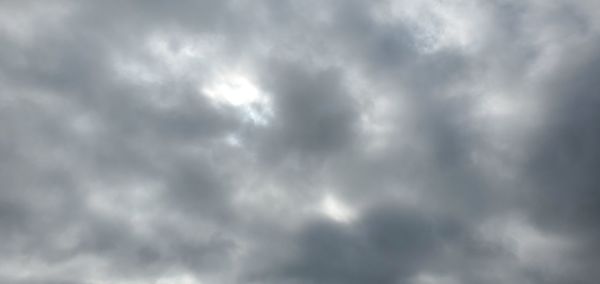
{"type": "Point", "coordinates": [418, 142]}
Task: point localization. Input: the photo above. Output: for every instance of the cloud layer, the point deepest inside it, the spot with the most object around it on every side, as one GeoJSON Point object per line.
{"type": "Point", "coordinates": [418, 142]}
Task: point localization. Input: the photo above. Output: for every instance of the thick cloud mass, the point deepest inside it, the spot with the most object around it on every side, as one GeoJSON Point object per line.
{"type": "Point", "coordinates": [318, 141]}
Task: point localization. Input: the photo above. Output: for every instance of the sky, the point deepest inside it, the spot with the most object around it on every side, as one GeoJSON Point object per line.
{"type": "Point", "coordinates": [292, 142]}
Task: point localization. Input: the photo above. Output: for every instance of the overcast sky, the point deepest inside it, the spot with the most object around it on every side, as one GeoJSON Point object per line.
{"type": "Point", "coordinates": [292, 142]}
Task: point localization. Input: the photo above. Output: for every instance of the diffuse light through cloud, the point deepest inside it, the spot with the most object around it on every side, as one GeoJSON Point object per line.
{"type": "Point", "coordinates": [235, 142]}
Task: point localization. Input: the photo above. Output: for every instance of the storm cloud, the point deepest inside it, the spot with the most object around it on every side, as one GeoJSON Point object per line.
{"type": "Point", "coordinates": [417, 142]}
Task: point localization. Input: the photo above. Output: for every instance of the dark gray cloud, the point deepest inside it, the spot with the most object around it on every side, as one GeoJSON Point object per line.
{"type": "Point", "coordinates": [423, 142]}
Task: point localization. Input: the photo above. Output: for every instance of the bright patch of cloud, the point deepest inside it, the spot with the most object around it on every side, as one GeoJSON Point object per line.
{"type": "Point", "coordinates": [337, 210]}
{"type": "Point", "coordinates": [235, 89]}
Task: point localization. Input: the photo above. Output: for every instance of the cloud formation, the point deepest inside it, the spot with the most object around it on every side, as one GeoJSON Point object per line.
{"type": "Point", "coordinates": [418, 142]}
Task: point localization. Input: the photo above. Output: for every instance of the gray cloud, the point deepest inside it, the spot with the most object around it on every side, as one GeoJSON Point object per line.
{"type": "Point", "coordinates": [299, 142]}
